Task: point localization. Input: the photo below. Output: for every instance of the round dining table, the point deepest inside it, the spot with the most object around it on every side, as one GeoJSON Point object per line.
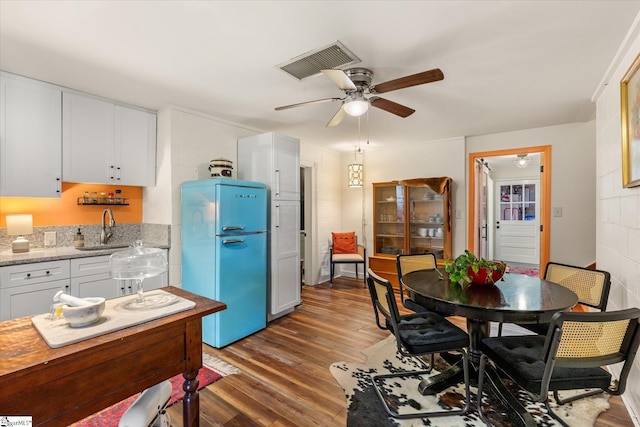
{"type": "Point", "coordinates": [515, 299]}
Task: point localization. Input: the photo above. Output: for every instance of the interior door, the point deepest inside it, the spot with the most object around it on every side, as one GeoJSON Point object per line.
{"type": "Point", "coordinates": [517, 225]}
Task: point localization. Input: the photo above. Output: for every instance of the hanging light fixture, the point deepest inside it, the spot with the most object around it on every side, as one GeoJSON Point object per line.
{"type": "Point", "coordinates": [356, 105]}
{"type": "Point", "coordinates": [356, 171]}
{"type": "Point", "coordinates": [522, 161]}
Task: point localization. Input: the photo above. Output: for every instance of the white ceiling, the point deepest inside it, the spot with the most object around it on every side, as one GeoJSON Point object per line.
{"type": "Point", "coordinates": [508, 65]}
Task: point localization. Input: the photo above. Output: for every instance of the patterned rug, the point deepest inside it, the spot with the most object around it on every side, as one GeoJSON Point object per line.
{"type": "Point", "coordinates": [534, 272]}
{"type": "Point", "coordinates": [213, 369]}
{"type": "Point", "coordinates": [365, 408]}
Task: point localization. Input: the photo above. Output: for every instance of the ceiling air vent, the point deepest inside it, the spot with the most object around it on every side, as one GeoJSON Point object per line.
{"type": "Point", "coordinates": [335, 55]}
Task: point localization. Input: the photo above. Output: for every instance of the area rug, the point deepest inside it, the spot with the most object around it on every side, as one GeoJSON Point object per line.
{"type": "Point", "coordinates": [365, 408]}
{"type": "Point", "coordinates": [213, 369]}
{"type": "Point", "coordinates": [533, 272]}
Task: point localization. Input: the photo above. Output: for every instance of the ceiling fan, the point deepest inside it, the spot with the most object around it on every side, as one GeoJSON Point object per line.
{"type": "Point", "coordinates": [356, 83]}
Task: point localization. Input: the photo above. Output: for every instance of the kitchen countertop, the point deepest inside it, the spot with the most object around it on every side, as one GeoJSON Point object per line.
{"type": "Point", "coordinates": [56, 254]}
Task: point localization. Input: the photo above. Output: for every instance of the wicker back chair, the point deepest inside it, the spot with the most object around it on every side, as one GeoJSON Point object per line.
{"type": "Point", "coordinates": [412, 262]}
{"type": "Point", "coordinates": [572, 355]}
{"type": "Point", "coordinates": [416, 334]}
{"type": "Point", "coordinates": [591, 286]}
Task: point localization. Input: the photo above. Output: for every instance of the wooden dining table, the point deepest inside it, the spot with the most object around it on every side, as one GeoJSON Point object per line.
{"type": "Point", "coordinates": [58, 386]}
{"type": "Point", "coordinates": [515, 299]}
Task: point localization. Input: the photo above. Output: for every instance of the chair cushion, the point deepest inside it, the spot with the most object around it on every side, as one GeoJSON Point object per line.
{"type": "Point", "coordinates": [422, 333]}
{"type": "Point", "coordinates": [521, 358]}
{"type": "Point", "coordinates": [344, 243]}
{"type": "Point", "coordinates": [347, 258]}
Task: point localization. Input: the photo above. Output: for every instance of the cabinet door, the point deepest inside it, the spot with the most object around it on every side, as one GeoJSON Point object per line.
{"type": "Point", "coordinates": [99, 285]}
{"type": "Point", "coordinates": [389, 215]}
{"type": "Point", "coordinates": [29, 300]}
{"type": "Point", "coordinates": [30, 138]}
{"type": "Point", "coordinates": [287, 168]}
{"type": "Point", "coordinates": [87, 139]}
{"type": "Point", "coordinates": [285, 256]}
{"type": "Point", "coordinates": [427, 228]}
{"type": "Point", "coordinates": [135, 147]}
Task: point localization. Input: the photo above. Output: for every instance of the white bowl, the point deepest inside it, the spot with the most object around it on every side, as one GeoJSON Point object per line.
{"type": "Point", "coordinates": [86, 315]}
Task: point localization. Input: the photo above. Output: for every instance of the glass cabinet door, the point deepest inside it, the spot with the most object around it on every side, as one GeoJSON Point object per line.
{"type": "Point", "coordinates": [427, 223]}
{"type": "Point", "coordinates": [412, 216]}
{"type": "Point", "coordinates": [389, 212]}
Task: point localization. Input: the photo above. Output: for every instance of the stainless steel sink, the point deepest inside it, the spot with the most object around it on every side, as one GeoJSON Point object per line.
{"type": "Point", "coordinates": [101, 247]}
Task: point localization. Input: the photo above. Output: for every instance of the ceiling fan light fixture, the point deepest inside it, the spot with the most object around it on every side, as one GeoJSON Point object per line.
{"type": "Point", "coordinates": [356, 105]}
{"type": "Point", "coordinates": [522, 161]}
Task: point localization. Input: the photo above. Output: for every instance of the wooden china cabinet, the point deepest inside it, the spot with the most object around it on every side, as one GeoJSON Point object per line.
{"type": "Point", "coordinates": [411, 216]}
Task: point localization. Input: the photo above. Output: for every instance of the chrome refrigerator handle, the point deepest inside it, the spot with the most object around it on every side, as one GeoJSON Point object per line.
{"type": "Point", "coordinates": [232, 241]}
{"type": "Point", "coordinates": [233, 228]}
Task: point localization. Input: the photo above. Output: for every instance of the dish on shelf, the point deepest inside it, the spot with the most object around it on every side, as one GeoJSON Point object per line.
{"type": "Point", "coordinates": [390, 199]}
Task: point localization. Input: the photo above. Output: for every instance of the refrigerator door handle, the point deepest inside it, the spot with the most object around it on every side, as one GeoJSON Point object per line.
{"type": "Point", "coordinates": [233, 228]}
{"type": "Point", "coordinates": [232, 241]}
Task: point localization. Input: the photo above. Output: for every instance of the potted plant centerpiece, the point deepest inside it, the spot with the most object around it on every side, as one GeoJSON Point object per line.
{"type": "Point", "coordinates": [467, 268]}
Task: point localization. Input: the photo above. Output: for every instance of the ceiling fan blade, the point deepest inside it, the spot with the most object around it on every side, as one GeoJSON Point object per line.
{"type": "Point", "coordinates": [337, 118]}
{"type": "Point", "coordinates": [300, 104]}
{"type": "Point", "coordinates": [391, 107]}
{"type": "Point", "coordinates": [341, 79]}
{"type": "Point", "coordinates": [408, 81]}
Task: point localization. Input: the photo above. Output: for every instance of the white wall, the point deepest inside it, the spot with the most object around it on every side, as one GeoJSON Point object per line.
{"type": "Point", "coordinates": [618, 216]}
{"type": "Point", "coordinates": [422, 160]}
{"type": "Point", "coordinates": [188, 140]}
{"type": "Point", "coordinates": [572, 183]}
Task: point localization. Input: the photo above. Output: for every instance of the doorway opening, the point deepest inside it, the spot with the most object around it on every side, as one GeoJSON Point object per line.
{"type": "Point", "coordinates": [306, 228]}
{"type": "Point", "coordinates": [509, 216]}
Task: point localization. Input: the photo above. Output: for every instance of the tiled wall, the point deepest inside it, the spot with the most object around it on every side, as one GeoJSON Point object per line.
{"type": "Point", "coordinates": [150, 234]}
{"type": "Point", "coordinates": [618, 213]}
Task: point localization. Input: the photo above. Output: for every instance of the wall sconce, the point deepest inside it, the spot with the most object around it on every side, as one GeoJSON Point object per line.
{"type": "Point", "coordinates": [522, 161]}
{"type": "Point", "coordinates": [19, 225]}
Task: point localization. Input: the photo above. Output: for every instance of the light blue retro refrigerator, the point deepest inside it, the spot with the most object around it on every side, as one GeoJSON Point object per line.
{"type": "Point", "coordinates": [224, 254]}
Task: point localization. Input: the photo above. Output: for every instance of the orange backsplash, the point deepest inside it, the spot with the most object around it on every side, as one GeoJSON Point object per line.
{"type": "Point", "coordinates": [66, 211]}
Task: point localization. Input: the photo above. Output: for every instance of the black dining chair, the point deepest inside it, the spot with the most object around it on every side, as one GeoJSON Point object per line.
{"type": "Point", "coordinates": [407, 263]}
{"type": "Point", "coordinates": [416, 334]}
{"type": "Point", "coordinates": [592, 287]}
{"type": "Point", "coordinates": [571, 356]}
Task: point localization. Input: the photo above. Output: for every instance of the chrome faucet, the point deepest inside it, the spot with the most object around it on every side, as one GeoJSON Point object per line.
{"type": "Point", "coordinates": [104, 236]}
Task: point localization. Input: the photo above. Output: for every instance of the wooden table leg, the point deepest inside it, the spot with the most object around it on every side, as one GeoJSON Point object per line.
{"type": "Point", "coordinates": [193, 354]}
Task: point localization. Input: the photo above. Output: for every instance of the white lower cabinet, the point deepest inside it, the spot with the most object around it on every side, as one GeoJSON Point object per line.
{"type": "Point", "coordinates": [90, 278]}
{"type": "Point", "coordinates": [28, 289]}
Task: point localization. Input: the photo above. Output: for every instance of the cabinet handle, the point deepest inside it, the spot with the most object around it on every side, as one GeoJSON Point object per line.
{"type": "Point", "coordinates": [28, 275]}
{"type": "Point", "coordinates": [277, 216]}
{"type": "Point", "coordinates": [47, 273]}
{"type": "Point", "coordinates": [58, 184]}
{"type": "Point", "coordinates": [277, 182]}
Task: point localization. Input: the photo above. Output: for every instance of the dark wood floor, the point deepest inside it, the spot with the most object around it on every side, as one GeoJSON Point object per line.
{"type": "Point", "coordinates": [285, 379]}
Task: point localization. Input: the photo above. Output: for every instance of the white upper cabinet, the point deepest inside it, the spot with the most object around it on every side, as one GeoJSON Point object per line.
{"type": "Point", "coordinates": [103, 142]}
{"type": "Point", "coordinates": [30, 137]}
{"type": "Point", "coordinates": [274, 160]}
